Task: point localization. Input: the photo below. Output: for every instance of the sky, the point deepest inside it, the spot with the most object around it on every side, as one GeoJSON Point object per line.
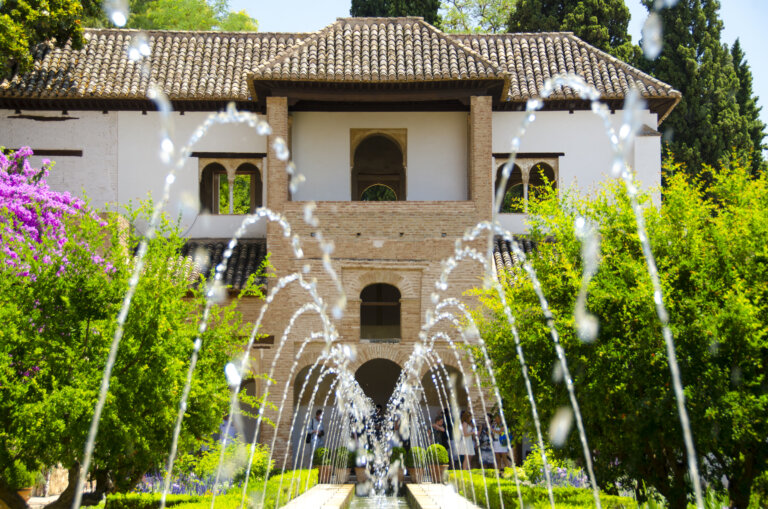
{"type": "Point", "coordinates": [745, 19]}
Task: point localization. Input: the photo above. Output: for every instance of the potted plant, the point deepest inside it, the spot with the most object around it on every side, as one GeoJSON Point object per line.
{"type": "Point", "coordinates": [20, 479]}
{"type": "Point", "coordinates": [340, 459]}
{"type": "Point", "coordinates": [437, 460]}
{"type": "Point", "coordinates": [396, 460]}
{"type": "Point", "coordinates": [414, 462]}
{"type": "Point", "coordinates": [359, 462]}
{"type": "Point", "coordinates": [322, 460]}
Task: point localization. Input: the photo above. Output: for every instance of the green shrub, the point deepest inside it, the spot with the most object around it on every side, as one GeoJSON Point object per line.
{"type": "Point", "coordinates": [439, 452]}
{"type": "Point", "coordinates": [321, 457]}
{"type": "Point", "coordinates": [397, 454]}
{"type": "Point", "coordinates": [533, 496]}
{"type": "Point", "coordinates": [340, 457]}
{"type": "Point", "coordinates": [279, 484]}
{"type": "Point", "coordinates": [18, 476]}
{"type": "Point", "coordinates": [534, 467]}
{"type": "Point", "coordinates": [146, 500]}
{"type": "Point", "coordinates": [759, 496]}
{"type": "Point", "coordinates": [415, 457]}
{"type": "Point", "coordinates": [203, 460]}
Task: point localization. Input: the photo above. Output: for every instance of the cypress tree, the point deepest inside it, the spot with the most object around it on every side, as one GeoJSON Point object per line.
{"type": "Point", "coordinates": [706, 126]}
{"type": "Point", "coordinates": [427, 9]}
{"type": "Point", "coordinates": [601, 23]}
{"type": "Point", "coordinates": [748, 107]}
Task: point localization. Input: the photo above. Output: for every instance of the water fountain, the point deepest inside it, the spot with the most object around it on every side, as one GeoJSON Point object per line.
{"type": "Point", "coordinates": [407, 415]}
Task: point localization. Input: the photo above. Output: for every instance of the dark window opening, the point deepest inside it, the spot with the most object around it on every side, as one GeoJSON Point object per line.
{"type": "Point", "coordinates": [220, 195]}
{"type": "Point", "coordinates": [380, 312]}
{"type": "Point", "coordinates": [378, 163]}
{"type": "Point", "coordinates": [542, 176]}
{"type": "Point", "coordinates": [514, 194]}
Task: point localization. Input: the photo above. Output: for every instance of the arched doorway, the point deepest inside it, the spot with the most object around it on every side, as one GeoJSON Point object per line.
{"type": "Point", "coordinates": [378, 378]}
{"type": "Point", "coordinates": [378, 170]}
{"type": "Point", "coordinates": [437, 387]}
{"type": "Point", "coordinates": [306, 403]}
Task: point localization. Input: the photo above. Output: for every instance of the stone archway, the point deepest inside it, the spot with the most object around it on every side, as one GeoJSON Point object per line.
{"type": "Point", "coordinates": [378, 377]}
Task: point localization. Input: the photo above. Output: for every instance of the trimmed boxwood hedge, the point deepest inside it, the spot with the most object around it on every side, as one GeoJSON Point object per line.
{"type": "Point", "coordinates": [533, 496]}
{"type": "Point", "coordinates": [146, 500]}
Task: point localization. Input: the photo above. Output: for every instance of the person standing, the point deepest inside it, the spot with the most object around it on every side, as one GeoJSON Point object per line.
{"type": "Point", "coordinates": [317, 431]}
{"type": "Point", "coordinates": [500, 451]}
{"type": "Point", "coordinates": [464, 442]}
{"type": "Point", "coordinates": [439, 431]}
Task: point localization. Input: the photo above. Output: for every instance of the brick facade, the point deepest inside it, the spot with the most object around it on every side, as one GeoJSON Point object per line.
{"type": "Point", "coordinates": [398, 243]}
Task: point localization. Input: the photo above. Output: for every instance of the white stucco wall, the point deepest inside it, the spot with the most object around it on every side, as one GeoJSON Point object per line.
{"type": "Point", "coordinates": [588, 156]}
{"type": "Point", "coordinates": [120, 160]}
{"type": "Point", "coordinates": [141, 172]}
{"type": "Point", "coordinates": [436, 154]}
{"type": "Point", "coordinates": [95, 173]}
{"type": "Point", "coordinates": [581, 137]}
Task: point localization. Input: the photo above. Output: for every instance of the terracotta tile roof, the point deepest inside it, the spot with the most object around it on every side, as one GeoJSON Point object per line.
{"type": "Point", "coordinates": [503, 256]}
{"type": "Point", "coordinates": [531, 58]}
{"type": "Point", "coordinates": [217, 66]}
{"type": "Point", "coordinates": [187, 65]}
{"type": "Point", "coordinates": [246, 258]}
{"type": "Point", "coordinates": [379, 50]}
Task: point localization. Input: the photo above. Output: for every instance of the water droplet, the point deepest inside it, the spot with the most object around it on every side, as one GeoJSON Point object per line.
{"type": "Point", "coordinates": [657, 298]}
{"type": "Point", "coordinates": [217, 292]}
{"type": "Point", "coordinates": [306, 268]}
{"type": "Point", "coordinates": [170, 179]}
{"type": "Point", "coordinates": [560, 426]}
{"type": "Point", "coordinates": [198, 343]}
{"type": "Point", "coordinates": [281, 149]}
{"type": "Point", "coordinates": [232, 374]}
{"type": "Point", "coordinates": [139, 47]}
{"type": "Point", "coordinates": [117, 11]}
{"type": "Point", "coordinates": [201, 259]}
{"type": "Point", "coordinates": [624, 131]}
{"type": "Point", "coordinates": [263, 128]}
{"type": "Point", "coordinates": [652, 36]}
{"type": "Point", "coordinates": [587, 328]}
{"type": "Point", "coordinates": [557, 373]}
{"type": "Point", "coordinates": [435, 297]}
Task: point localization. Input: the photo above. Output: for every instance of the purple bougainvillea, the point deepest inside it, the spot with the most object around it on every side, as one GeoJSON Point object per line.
{"type": "Point", "coordinates": [31, 212]}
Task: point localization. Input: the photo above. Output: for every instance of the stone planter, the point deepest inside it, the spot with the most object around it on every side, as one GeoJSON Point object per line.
{"type": "Point", "coordinates": [362, 474]}
{"type": "Point", "coordinates": [418, 475]}
{"type": "Point", "coordinates": [341, 475]}
{"type": "Point", "coordinates": [324, 474]}
{"type": "Point", "coordinates": [25, 493]}
{"type": "Point", "coordinates": [438, 473]}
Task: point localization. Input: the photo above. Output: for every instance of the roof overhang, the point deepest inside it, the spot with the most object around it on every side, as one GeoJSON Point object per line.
{"type": "Point", "coordinates": [356, 95]}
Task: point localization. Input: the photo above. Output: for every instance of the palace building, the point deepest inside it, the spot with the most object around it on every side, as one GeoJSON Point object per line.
{"type": "Point", "coordinates": [400, 130]}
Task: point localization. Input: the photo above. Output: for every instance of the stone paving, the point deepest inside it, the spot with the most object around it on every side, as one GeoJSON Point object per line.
{"type": "Point", "coordinates": [436, 496]}
{"type": "Point", "coordinates": [324, 496]}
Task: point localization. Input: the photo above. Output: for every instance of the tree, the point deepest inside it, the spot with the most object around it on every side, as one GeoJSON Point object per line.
{"type": "Point", "coordinates": [706, 125]}
{"type": "Point", "coordinates": [601, 23]}
{"type": "Point", "coordinates": [176, 15]}
{"type": "Point", "coordinates": [748, 107]}
{"type": "Point", "coordinates": [711, 253]}
{"type": "Point", "coordinates": [24, 24]}
{"type": "Point", "coordinates": [63, 275]}
{"type": "Point", "coordinates": [478, 16]}
{"type": "Point", "coordinates": [427, 9]}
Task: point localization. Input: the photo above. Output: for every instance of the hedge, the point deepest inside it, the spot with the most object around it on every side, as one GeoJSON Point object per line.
{"type": "Point", "coordinates": [533, 496]}
{"type": "Point", "coordinates": [146, 500]}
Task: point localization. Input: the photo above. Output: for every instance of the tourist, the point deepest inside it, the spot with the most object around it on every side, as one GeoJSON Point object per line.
{"type": "Point", "coordinates": [485, 457]}
{"type": "Point", "coordinates": [439, 433]}
{"type": "Point", "coordinates": [501, 451]}
{"type": "Point", "coordinates": [316, 432]}
{"type": "Point", "coordinates": [464, 440]}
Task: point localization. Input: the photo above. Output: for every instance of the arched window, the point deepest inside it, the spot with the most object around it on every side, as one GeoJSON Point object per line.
{"type": "Point", "coordinates": [514, 196]}
{"type": "Point", "coordinates": [237, 192]}
{"type": "Point", "coordinates": [380, 312]}
{"type": "Point", "coordinates": [378, 170]}
{"type": "Point", "coordinates": [540, 177]}
{"type": "Point", "coordinates": [528, 179]}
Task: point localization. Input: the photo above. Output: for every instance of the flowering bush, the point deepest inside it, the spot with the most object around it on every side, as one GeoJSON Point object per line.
{"type": "Point", "coordinates": [32, 211]}
{"type": "Point", "coordinates": [63, 277]}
